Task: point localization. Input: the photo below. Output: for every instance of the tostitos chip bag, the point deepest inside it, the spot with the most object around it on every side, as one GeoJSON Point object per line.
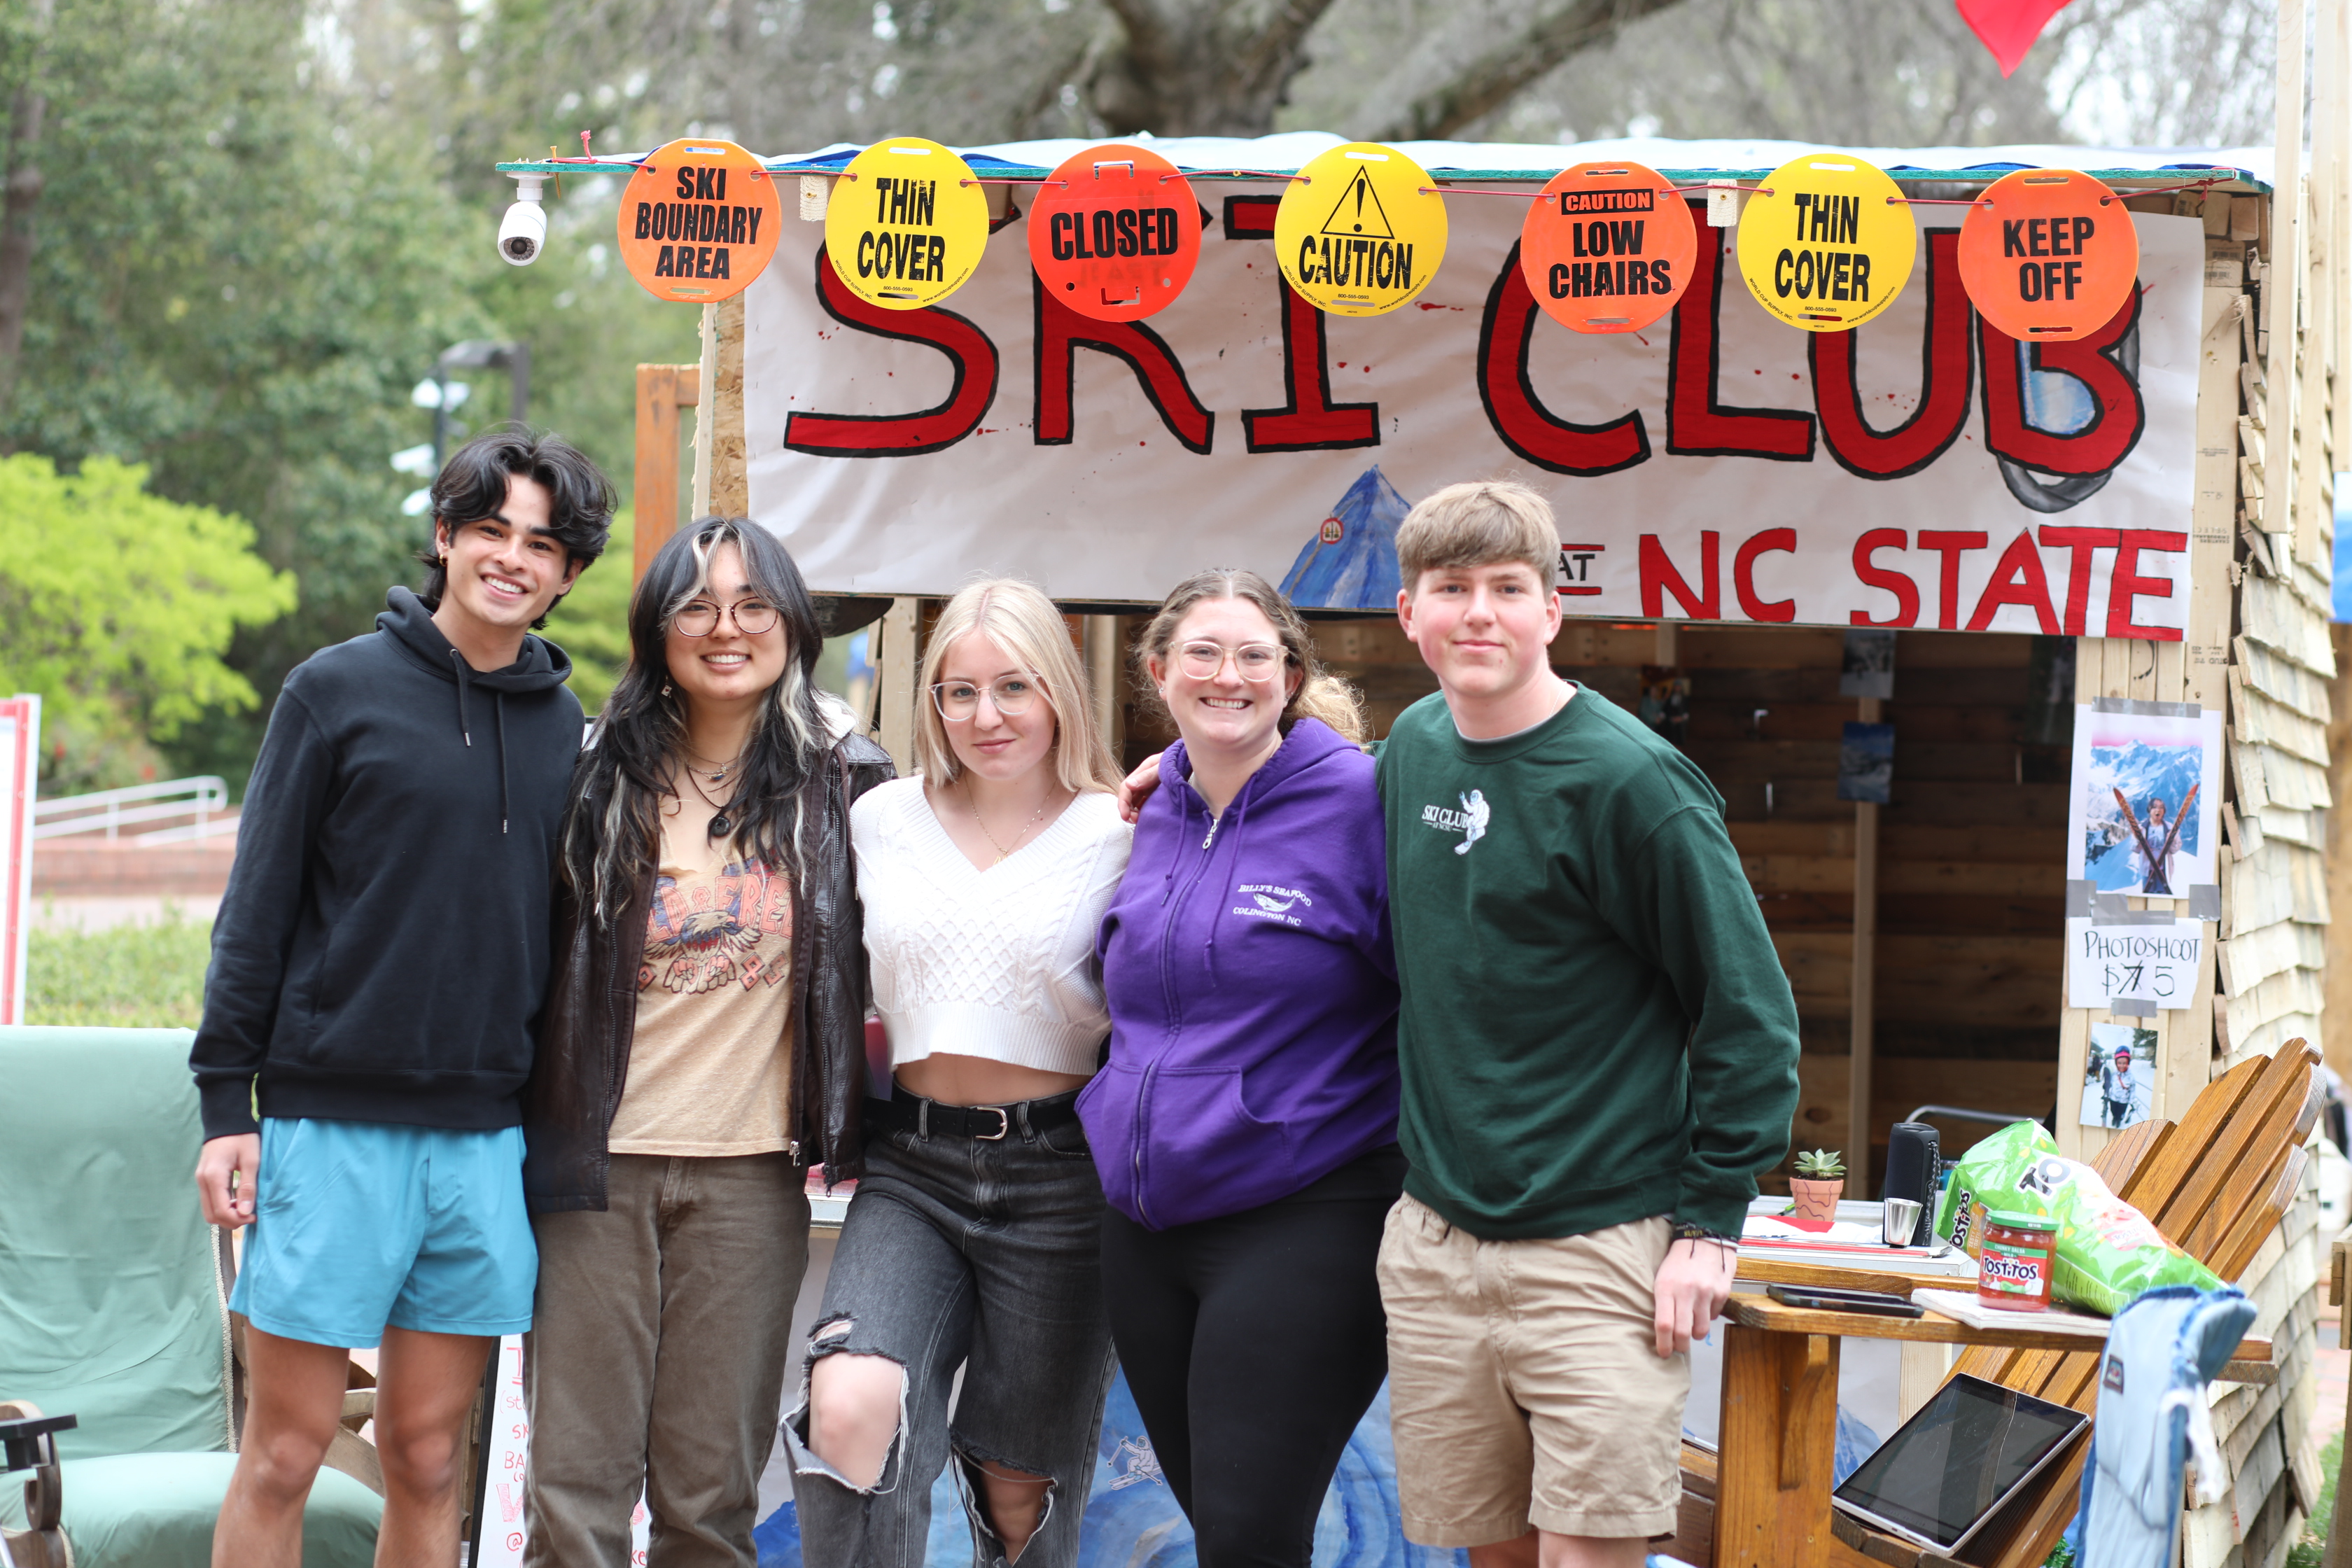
{"type": "Point", "coordinates": [2108, 1252]}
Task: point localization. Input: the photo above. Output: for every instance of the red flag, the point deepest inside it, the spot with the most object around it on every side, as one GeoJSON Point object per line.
{"type": "Point", "coordinates": [2009, 26]}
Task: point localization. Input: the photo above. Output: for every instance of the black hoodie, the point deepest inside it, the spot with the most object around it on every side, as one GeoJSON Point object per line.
{"type": "Point", "coordinates": [384, 946]}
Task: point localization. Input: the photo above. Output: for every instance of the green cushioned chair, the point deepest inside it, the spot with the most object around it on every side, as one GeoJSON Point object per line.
{"type": "Point", "coordinates": [114, 1308]}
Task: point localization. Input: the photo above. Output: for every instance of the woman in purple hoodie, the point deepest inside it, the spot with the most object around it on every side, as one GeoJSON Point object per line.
{"type": "Point", "coordinates": [1245, 1124]}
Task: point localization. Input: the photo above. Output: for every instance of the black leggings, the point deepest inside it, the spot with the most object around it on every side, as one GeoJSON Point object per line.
{"type": "Point", "coordinates": [1253, 1344]}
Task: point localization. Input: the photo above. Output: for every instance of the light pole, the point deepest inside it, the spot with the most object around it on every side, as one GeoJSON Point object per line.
{"type": "Point", "coordinates": [477, 354]}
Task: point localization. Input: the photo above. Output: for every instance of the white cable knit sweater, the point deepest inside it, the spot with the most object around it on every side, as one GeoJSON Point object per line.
{"type": "Point", "coordinates": [997, 964]}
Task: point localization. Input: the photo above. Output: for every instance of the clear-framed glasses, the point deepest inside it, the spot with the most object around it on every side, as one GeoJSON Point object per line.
{"type": "Point", "coordinates": [1253, 661]}
{"type": "Point", "coordinates": [700, 619]}
{"type": "Point", "coordinates": [960, 699]}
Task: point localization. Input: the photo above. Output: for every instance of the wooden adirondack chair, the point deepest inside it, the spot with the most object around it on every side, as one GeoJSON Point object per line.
{"type": "Point", "coordinates": [2215, 1184]}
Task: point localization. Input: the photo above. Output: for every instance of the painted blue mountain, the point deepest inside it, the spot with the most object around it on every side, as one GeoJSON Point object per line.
{"type": "Point", "coordinates": [2144, 772]}
{"type": "Point", "coordinates": [1350, 563]}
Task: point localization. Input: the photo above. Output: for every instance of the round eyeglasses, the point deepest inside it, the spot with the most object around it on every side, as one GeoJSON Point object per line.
{"type": "Point", "coordinates": [960, 699]}
{"type": "Point", "coordinates": [1253, 661]}
{"type": "Point", "coordinates": [700, 619]}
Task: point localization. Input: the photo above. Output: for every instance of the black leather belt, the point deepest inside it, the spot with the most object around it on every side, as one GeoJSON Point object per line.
{"type": "Point", "coordinates": [930, 1119]}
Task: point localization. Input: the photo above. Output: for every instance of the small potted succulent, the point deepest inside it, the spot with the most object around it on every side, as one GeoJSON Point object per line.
{"type": "Point", "coordinates": [1818, 1183]}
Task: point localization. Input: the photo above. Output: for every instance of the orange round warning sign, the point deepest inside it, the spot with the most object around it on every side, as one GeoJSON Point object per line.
{"type": "Point", "coordinates": [699, 221]}
{"type": "Point", "coordinates": [908, 223]}
{"type": "Point", "coordinates": [1608, 248]}
{"type": "Point", "coordinates": [1114, 232]}
{"type": "Point", "coordinates": [2048, 255]}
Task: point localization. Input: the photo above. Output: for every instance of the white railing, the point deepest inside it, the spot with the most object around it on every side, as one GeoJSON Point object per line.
{"type": "Point", "coordinates": [108, 811]}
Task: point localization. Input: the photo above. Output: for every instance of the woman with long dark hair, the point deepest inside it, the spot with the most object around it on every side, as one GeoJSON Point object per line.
{"type": "Point", "coordinates": [702, 1044]}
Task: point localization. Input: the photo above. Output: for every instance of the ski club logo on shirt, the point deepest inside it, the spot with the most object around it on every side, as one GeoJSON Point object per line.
{"type": "Point", "coordinates": [1470, 821]}
{"type": "Point", "coordinates": [705, 933]}
{"type": "Point", "coordinates": [1268, 902]}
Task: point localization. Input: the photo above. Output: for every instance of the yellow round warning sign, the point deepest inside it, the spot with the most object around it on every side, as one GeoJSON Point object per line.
{"type": "Point", "coordinates": [907, 223]}
{"type": "Point", "coordinates": [1356, 234]}
{"type": "Point", "coordinates": [1826, 242]}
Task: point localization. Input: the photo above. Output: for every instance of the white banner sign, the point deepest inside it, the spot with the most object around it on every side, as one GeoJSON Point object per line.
{"type": "Point", "coordinates": [2139, 963]}
{"type": "Point", "coordinates": [1921, 471]}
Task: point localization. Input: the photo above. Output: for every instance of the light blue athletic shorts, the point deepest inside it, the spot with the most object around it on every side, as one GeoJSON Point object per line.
{"type": "Point", "coordinates": [369, 1225]}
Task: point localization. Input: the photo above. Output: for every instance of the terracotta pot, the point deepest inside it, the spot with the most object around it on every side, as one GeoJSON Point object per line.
{"type": "Point", "coordinates": [1816, 1200]}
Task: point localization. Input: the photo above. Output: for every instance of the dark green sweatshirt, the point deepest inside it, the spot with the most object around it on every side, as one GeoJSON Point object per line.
{"type": "Point", "coordinates": [1595, 1027]}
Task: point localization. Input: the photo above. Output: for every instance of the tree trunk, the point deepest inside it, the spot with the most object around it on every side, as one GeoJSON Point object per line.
{"type": "Point", "coordinates": [1491, 79]}
{"type": "Point", "coordinates": [19, 194]}
{"type": "Point", "coordinates": [1201, 67]}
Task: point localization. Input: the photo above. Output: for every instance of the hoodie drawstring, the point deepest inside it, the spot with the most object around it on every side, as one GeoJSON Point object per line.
{"type": "Point", "coordinates": [498, 710]}
{"type": "Point", "coordinates": [465, 726]}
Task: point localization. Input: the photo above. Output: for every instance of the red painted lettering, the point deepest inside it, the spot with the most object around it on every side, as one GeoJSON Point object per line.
{"type": "Point", "coordinates": [1743, 575]}
{"type": "Point", "coordinates": [1899, 583]}
{"type": "Point", "coordinates": [1518, 417]}
{"type": "Point", "coordinates": [2017, 579]}
{"type": "Point", "coordinates": [969, 391]}
{"type": "Point", "coordinates": [1951, 545]}
{"type": "Point", "coordinates": [1943, 378]}
{"type": "Point", "coordinates": [1659, 578]}
{"type": "Point", "coordinates": [1697, 424]}
{"type": "Point", "coordinates": [2127, 584]}
{"type": "Point", "coordinates": [2115, 427]}
{"type": "Point", "coordinates": [2082, 542]}
{"type": "Point", "coordinates": [1061, 332]}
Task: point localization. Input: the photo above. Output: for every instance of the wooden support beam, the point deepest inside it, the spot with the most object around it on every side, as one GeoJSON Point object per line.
{"type": "Point", "coordinates": [896, 729]}
{"type": "Point", "coordinates": [1862, 988]}
{"type": "Point", "coordinates": [1102, 655]}
{"type": "Point", "coordinates": [706, 376]}
{"type": "Point", "coordinates": [2282, 275]}
{"type": "Point", "coordinates": [662, 391]}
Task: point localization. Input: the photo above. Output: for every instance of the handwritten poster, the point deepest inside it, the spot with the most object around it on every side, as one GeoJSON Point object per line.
{"type": "Point", "coordinates": [2155, 962]}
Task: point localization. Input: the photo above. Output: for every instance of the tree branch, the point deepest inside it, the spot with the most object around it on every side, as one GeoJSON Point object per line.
{"type": "Point", "coordinates": [20, 192]}
{"type": "Point", "coordinates": [1486, 82]}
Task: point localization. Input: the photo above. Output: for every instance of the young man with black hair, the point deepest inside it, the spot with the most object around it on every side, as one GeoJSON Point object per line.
{"type": "Point", "coordinates": [378, 966]}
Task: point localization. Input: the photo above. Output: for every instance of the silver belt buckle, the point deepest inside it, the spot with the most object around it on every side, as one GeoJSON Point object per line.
{"type": "Point", "coordinates": [1003, 1124]}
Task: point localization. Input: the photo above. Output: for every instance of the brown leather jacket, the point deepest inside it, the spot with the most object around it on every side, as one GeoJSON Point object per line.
{"type": "Point", "coordinates": [592, 1011]}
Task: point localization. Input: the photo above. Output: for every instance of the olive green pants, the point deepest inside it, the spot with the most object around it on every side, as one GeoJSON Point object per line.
{"type": "Point", "coordinates": [655, 1362]}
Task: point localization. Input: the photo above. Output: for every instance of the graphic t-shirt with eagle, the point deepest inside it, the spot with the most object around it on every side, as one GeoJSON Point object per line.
{"type": "Point", "coordinates": [710, 1066]}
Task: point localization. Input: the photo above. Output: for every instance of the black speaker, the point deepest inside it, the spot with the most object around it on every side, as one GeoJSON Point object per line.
{"type": "Point", "coordinates": [1913, 1164]}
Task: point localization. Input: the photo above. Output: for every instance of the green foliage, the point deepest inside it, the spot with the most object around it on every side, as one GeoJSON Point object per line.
{"type": "Point", "coordinates": [116, 605]}
{"type": "Point", "coordinates": [130, 976]}
{"type": "Point", "coordinates": [592, 624]}
{"type": "Point", "coordinates": [1821, 1165]}
{"type": "Point", "coordinates": [2311, 1550]}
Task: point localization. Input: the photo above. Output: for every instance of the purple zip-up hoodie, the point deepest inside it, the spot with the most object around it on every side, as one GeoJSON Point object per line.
{"type": "Point", "coordinates": [1253, 993]}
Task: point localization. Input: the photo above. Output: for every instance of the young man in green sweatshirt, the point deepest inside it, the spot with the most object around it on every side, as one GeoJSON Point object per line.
{"type": "Point", "coordinates": [1598, 1052]}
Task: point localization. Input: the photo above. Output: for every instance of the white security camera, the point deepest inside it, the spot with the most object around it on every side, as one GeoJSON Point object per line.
{"type": "Point", "coordinates": [522, 233]}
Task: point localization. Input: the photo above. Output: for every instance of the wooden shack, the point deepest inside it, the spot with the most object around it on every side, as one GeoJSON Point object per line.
{"type": "Point", "coordinates": [1925, 939]}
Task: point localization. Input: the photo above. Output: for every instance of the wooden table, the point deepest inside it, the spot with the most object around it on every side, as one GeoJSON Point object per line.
{"type": "Point", "coordinates": [1779, 1431]}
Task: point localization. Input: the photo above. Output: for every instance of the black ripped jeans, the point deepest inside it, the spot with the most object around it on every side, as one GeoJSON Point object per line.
{"type": "Point", "coordinates": [1253, 1344]}
{"type": "Point", "coordinates": [979, 1254]}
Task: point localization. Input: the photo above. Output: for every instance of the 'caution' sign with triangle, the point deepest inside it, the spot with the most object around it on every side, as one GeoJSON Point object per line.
{"type": "Point", "coordinates": [1358, 212]}
{"type": "Point", "coordinates": [1373, 247]}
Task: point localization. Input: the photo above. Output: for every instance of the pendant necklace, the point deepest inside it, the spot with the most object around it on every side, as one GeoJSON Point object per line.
{"type": "Point", "coordinates": [720, 826]}
{"type": "Point", "coordinates": [1003, 853]}
{"type": "Point", "coordinates": [715, 771]}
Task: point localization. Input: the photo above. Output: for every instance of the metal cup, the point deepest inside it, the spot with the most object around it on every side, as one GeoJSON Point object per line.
{"type": "Point", "coordinates": [1898, 1217]}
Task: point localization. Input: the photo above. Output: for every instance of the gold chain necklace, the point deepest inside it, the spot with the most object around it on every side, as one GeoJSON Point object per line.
{"type": "Point", "coordinates": [1003, 853]}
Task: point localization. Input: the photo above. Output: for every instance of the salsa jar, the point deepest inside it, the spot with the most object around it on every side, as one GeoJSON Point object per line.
{"type": "Point", "coordinates": [2013, 1269]}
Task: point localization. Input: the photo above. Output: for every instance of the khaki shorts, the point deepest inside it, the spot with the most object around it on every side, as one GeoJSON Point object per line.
{"type": "Point", "coordinates": [1525, 1385]}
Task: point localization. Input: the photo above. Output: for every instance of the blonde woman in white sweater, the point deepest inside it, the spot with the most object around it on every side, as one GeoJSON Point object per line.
{"type": "Point", "coordinates": [973, 1238]}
